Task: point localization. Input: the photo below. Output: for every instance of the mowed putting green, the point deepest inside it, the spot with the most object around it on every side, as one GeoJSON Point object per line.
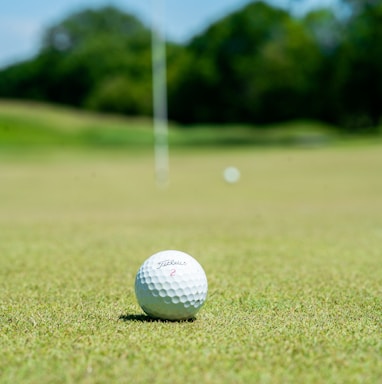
{"type": "Point", "coordinates": [292, 254]}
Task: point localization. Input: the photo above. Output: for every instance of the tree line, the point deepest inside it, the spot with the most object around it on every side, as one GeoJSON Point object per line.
{"type": "Point", "coordinates": [258, 65]}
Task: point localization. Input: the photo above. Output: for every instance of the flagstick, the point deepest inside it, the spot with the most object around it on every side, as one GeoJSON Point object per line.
{"type": "Point", "coordinates": [160, 95]}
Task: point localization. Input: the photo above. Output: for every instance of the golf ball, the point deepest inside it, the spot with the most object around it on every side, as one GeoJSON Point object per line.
{"type": "Point", "coordinates": [171, 285]}
{"type": "Point", "coordinates": [231, 175]}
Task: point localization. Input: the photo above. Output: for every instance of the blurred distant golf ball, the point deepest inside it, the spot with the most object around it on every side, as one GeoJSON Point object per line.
{"type": "Point", "coordinates": [231, 175]}
{"type": "Point", "coordinates": [171, 285]}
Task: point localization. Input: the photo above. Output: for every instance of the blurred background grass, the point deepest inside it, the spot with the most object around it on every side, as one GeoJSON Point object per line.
{"type": "Point", "coordinates": [32, 125]}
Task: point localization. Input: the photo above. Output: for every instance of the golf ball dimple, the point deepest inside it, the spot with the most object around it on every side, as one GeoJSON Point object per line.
{"type": "Point", "coordinates": [171, 285]}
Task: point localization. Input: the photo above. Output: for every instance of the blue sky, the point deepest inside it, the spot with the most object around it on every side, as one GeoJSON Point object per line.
{"type": "Point", "coordinates": [22, 22]}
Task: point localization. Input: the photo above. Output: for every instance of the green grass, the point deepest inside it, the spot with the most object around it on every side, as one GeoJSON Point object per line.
{"type": "Point", "coordinates": [39, 126]}
{"type": "Point", "coordinates": [292, 254]}
{"type": "Point", "coordinates": [29, 125]}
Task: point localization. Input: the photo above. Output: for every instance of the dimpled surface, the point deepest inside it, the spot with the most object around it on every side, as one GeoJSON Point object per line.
{"type": "Point", "coordinates": [171, 285]}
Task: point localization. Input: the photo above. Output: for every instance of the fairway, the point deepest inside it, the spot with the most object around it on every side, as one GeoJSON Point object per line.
{"type": "Point", "coordinates": [292, 254]}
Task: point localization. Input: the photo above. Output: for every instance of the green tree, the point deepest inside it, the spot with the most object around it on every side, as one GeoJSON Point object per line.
{"type": "Point", "coordinates": [120, 94]}
{"type": "Point", "coordinates": [78, 29]}
{"type": "Point", "coordinates": [255, 65]}
{"type": "Point", "coordinates": [361, 64]}
{"type": "Point", "coordinates": [82, 60]}
{"type": "Point", "coordinates": [327, 30]}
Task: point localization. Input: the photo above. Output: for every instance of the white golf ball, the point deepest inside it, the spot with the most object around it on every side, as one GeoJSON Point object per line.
{"type": "Point", "coordinates": [171, 285]}
{"type": "Point", "coordinates": [231, 175]}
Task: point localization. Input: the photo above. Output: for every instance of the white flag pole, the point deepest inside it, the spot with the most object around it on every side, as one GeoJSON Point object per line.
{"type": "Point", "coordinates": [160, 94]}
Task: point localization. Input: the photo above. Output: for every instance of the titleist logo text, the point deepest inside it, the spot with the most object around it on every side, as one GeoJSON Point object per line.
{"type": "Point", "coordinates": [166, 263]}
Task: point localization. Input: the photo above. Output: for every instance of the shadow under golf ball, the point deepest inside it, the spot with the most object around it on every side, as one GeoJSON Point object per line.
{"type": "Point", "coordinates": [147, 319]}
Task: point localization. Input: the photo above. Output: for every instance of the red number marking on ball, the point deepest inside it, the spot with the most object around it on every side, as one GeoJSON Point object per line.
{"type": "Point", "coordinates": [173, 271]}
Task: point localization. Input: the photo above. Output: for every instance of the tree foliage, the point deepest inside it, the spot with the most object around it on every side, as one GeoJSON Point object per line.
{"type": "Point", "coordinates": [259, 64]}
{"type": "Point", "coordinates": [255, 65]}
{"type": "Point", "coordinates": [360, 58]}
{"type": "Point", "coordinates": [96, 58]}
